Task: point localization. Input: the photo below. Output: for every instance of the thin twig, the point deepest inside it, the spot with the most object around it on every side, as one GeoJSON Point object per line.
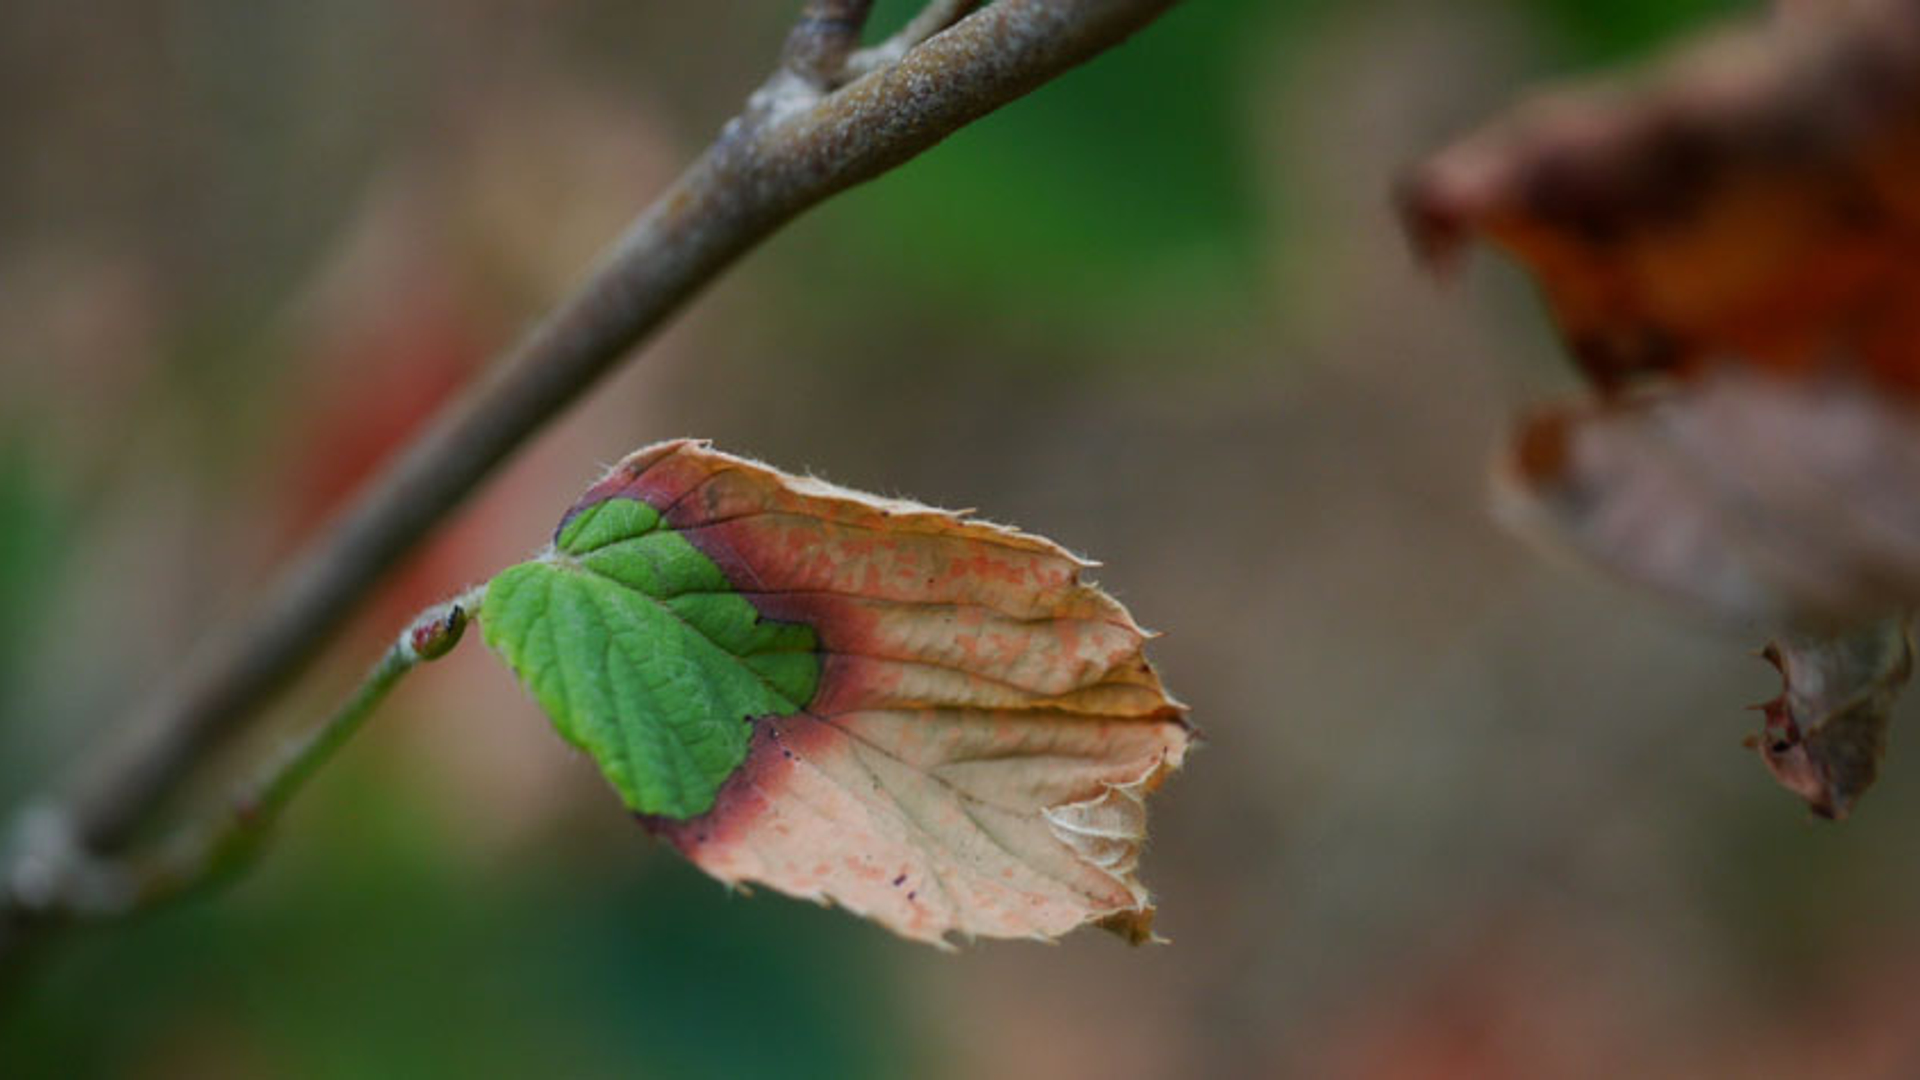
{"type": "Point", "coordinates": [822, 38]}
{"type": "Point", "coordinates": [54, 879]}
{"type": "Point", "coordinates": [790, 149]}
{"type": "Point", "coordinates": [928, 21]}
{"type": "Point", "coordinates": [231, 840]}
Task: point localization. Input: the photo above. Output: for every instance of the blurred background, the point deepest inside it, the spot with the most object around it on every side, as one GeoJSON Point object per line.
{"type": "Point", "coordinates": [1463, 811]}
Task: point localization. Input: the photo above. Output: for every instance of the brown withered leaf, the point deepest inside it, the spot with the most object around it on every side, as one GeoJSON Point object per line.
{"type": "Point", "coordinates": [1730, 244]}
{"type": "Point", "coordinates": [1763, 499]}
{"type": "Point", "coordinates": [1794, 503]}
{"type": "Point", "coordinates": [1825, 734]}
{"type": "Point", "coordinates": [1756, 196]}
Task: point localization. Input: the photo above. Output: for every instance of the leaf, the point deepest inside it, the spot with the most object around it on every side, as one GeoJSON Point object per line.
{"type": "Point", "coordinates": [1730, 244]}
{"type": "Point", "coordinates": [1827, 731]}
{"type": "Point", "coordinates": [637, 647]}
{"type": "Point", "coordinates": [1755, 198]}
{"type": "Point", "coordinates": [1790, 504]}
{"type": "Point", "coordinates": [1755, 498]}
{"type": "Point", "coordinates": [930, 721]}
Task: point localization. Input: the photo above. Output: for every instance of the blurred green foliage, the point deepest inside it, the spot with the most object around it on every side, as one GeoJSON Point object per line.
{"type": "Point", "coordinates": [1112, 200]}
{"type": "Point", "coordinates": [362, 949]}
{"type": "Point", "coordinates": [32, 522]}
{"type": "Point", "coordinates": [1624, 30]}
{"type": "Point", "coordinates": [1117, 202]}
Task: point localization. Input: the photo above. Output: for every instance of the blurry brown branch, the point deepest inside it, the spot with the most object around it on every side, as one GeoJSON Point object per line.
{"type": "Point", "coordinates": [829, 118]}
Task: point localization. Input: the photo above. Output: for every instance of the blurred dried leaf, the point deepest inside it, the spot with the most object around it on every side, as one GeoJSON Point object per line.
{"type": "Point", "coordinates": [1730, 244]}
{"type": "Point", "coordinates": [1756, 196]}
{"type": "Point", "coordinates": [1758, 498]}
{"type": "Point", "coordinates": [1827, 731]}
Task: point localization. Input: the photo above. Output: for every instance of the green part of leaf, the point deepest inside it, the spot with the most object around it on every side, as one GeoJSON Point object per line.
{"type": "Point", "coordinates": [644, 656]}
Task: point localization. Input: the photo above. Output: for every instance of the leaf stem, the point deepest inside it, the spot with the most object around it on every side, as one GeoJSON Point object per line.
{"type": "Point", "coordinates": [230, 841]}
{"type": "Point", "coordinates": [55, 877]}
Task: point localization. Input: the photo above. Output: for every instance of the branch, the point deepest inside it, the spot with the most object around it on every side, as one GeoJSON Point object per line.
{"type": "Point", "coordinates": [799, 141]}
{"type": "Point", "coordinates": [821, 40]}
{"type": "Point", "coordinates": [932, 19]}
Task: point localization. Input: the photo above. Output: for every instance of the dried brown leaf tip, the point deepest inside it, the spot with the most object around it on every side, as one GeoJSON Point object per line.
{"type": "Point", "coordinates": [1825, 734]}
{"type": "Point", "coordinates": [1729, 242]}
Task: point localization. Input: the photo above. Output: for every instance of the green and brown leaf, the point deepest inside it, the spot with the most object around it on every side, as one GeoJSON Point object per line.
{"type": "Point", "coordinates": [931, 721]}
